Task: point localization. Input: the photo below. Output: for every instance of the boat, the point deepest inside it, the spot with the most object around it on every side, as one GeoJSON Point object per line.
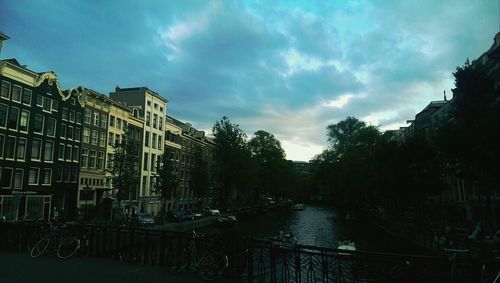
{"type": "Point", "coordinates": [298, 206]}
{"type": "Point", "coordinates": [346, 246]}
{"type": "Point", "coordinates": [284, 241]}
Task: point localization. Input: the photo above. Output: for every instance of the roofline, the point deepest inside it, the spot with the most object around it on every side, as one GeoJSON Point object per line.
{"type": "Point", "coordinates": [143, 88]}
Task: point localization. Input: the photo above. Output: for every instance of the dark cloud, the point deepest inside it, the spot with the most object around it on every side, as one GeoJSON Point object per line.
{"type": "Point", "coordinates": [277, 66]}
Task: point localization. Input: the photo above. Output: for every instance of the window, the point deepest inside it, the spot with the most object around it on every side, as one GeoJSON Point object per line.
{"type": "Point", "coordinates": [23, 121]}
{"type": "Point", "coordinates": [145, 168]}
{"type": "Point", "coordinates": [77, 134]}
{"type": "Point", "coordinates": [2, 140]}
{"type": "Point", "coordinates": [47, 176]}
{"type": "Point", "coordinates": [78, 117]}
{"type": "Point", "coordinates": [148, 103]}
{"type": "Point", "coordinates": [159, 142]}
{"type": "Point", "coordinates": [94, 136]}
{"type": "Point", "coordinates": [124, 125]}
{"type": "Point", "coordinates": [88, 115]}
{"type": "Point", "coordinates": [13, 117]}
{"type": "Point", "coordinates": [161, 109]}
{"type": "Point", "coordinates": [65, 114]}
{"type": "Point", "coordinates": [111, 120]}
{"type": "Point", "coordinates": [26, 99]}
{"type": "Point", "coordinates": [7, 178]}
{"type": "Point", "coordinates": [76, 150]}
{"type": "Point", "coordinates": [60, 154]}
{"type": "Point", "coordinates": [68, 152]}
{"type": "Point", "coordinates": [111, 137]}
{"type": "Point", "coordinates": [66, 173]}
{"type": "Point", "coordinates": [3, 115]}
{"type": "Point", "coordinates": [36, 149]}
{"type": "Point", "coordinates": [148, 118]}
{"type": "Point", "coordinates": [62, 132]}
{"type": "Point", "coordinates": [92, 159]}
{"type": "Point", "coordinates": [48, 155]}
{"type": "Point", "coordinates": [69, 133]}
{"type": "Point", "coordinates": [103, 119]}
{"type": "Point", "coordinates": [109, 161]}
{"type": "Point", "coordinates": [117, 139]}
{"type": "Point", "coordinates": [33, 176]}
{"type": "Point", "coordinates": [73, 101]}
{"type": "Point", "coordinates": [100, 160]}
{"type": "Point", "coordinates": [21, 149]}
{"type": "Point", "coordinates": [74, 173]}
{"type": "Point", "coordinates": [156, 106]}
{"type": "Point", "coordinates": [96, 119]}
{"type": "Point", "coordinates": [51, 127]}
{"type": "Point", "coordinates": [18, 178]}
{"type": "Point", "coordinates": [155, 120]}
{"type": "Point", "coordinates": [153, 142]}
{"type": "Point", "coordinates": [39, 100]}
{"type": "Point", "coordinates": [146, 139]}
{"type": "Point", "coordinates": [47, 104]}
{"type": "Point", "coordinates": [55, 105]}
{"type": "Point", "coordinates": [16, 93]}
{"type": "Point", "coordinates": [5, 91]}
{"type": "Point", "coordinates": [85, 157]}
{"type": "Point", "coordinates": [86, 135]}
{"type": "Point", "coordinates": [102, 139]}
{"type": "Point", "coordinates": [160, 124]}
{"type": "Point", "coordinates": [38, 124]}
{"type": "Point", "coordinates": [153, 162]}
{"type": "Point", "coordinates": [59, 174]}
{"type": "Point", "coordinates": [10, 146]}
{"type": "Point", "coordinates": [118, 123]}
{"type": "Point", "coordinates": [72, 116]}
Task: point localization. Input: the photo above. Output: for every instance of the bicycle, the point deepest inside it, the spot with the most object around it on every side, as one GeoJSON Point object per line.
{"type": "Point", "coordinates": [57, 239]}
{"type": "Point", "coordinates": [210, 265]}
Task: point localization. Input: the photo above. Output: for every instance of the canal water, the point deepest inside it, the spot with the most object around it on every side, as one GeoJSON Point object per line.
{"type": "Point", "coordinates": [321, 226]}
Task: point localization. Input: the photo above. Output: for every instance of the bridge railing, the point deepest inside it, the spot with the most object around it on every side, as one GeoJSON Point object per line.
{"type": "Point", "coordinates": [262, 261]}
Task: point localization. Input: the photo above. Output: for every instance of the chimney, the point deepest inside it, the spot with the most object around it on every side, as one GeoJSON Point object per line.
{"type": "Point", "coordinates": [3, 37]}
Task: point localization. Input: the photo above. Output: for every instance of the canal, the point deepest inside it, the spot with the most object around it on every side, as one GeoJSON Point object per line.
{"type": "Point", "coordinates": [321, 226]}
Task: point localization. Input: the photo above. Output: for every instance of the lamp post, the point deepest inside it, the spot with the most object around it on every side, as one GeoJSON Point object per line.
{"type": "Point", "coordinates": [86, 191]}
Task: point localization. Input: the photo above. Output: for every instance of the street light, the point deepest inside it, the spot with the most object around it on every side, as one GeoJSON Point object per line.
{"type": "Point", "coordinates": [86, 194]}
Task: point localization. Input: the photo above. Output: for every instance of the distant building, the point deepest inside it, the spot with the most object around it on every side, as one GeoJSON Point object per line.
{"type": "Point", "coordinates": [151, 107]}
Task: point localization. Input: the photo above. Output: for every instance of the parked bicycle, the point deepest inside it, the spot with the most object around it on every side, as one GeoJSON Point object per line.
{"type": "Point", "coordinates": [209, 264]}
{"type": "Point", "coordinates": [59, 239]}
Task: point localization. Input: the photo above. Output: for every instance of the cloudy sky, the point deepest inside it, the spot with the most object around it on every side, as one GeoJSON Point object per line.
{"type": "Point", "coordinates": [286, 67]}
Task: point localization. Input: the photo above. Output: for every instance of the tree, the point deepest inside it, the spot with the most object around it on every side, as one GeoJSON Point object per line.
{"type": "Point", "coordinates": [200, 174]}
{"type": "Point", "coordinates": [272, 168]}
{"type": "Point", "coordinates": [471, 139]}
{"type": "Point", "coordinates": [166, 179]}
{"type": "Point", "coordinates": [124, 164]}
{"type": "Point", "coordinates": [232, 159]}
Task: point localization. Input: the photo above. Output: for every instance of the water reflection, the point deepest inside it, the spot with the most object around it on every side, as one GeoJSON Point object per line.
{"type": "Point", "coordinates": [320, 226]}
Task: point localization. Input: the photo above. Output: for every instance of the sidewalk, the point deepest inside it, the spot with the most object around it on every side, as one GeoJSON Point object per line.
{"type": "Point", "coordinates": [20, 268]}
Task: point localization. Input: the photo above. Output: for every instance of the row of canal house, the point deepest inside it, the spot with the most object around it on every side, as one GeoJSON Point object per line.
{"type": "Point", "coordinates": [462, 201]}
{"type": "Point", "coordinates": [56, 146]}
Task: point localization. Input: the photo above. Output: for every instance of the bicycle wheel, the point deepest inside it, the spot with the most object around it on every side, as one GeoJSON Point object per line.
{"type": "Point", "coordinates": [176, 264]}
{"type": "Point", "coordinates": [40, 247]}
{"type": "Point", "coordinates": [68, 247]}
{"type": "Point", "coordinates": [212, 266]}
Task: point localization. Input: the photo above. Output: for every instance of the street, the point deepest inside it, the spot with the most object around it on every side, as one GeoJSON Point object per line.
{"type": "Point", "coordinates": [20, 268]}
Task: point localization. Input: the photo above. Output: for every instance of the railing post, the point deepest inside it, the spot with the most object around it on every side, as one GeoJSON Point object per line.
{"type": "Point", "coordinates": [162, 247]}
{"type": "Point", "coordinates": [249, 260]}
{"type": "Point", "coordinates": [118, 240]}
{"type": "Point", "coordinates": [324, 264]}
{"type": "Point", "coordinates": [273, 264]}
{"type": "Point", "coordinates": [298, 276]}
{"type": "Point", "coordinates": [146, 248]}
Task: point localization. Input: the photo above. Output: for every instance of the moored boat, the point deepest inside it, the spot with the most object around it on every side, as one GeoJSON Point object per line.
{"type": "Point", "coordinates": [298, 206]}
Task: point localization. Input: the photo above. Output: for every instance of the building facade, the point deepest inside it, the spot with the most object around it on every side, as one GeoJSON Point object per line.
{"type": "Point", "coordinates": [37, 119]}
{"type": "Point", "coordinates": [151, 107]}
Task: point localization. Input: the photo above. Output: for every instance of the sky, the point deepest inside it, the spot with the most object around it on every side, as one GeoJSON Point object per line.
{"type": "Point", "coordinates": [290, 68]}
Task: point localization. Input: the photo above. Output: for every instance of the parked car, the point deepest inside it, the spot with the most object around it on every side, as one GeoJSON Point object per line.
{"type": "Point", "coordinates": [209, 211]}
{"type": "Point", "coordinates": [144, 218]}
{"type": "Point", "coordinates": [179, 215]}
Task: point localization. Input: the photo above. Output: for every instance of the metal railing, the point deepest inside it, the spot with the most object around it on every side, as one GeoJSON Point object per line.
{"type": "Point", "coordinates": [262, 261]}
